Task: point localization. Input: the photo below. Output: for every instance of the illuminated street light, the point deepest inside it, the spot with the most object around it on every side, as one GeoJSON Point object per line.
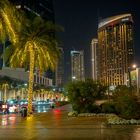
{"type": "Point", "coordinates": [134, 66]}
{"type": "Point", "coordinates": [25, 84]}
{"type": "Point", "coordinates": [73, 78]}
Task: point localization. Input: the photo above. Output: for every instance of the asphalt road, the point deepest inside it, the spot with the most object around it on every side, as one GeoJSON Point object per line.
{"type": "Point", "coordinates": [55, 125]}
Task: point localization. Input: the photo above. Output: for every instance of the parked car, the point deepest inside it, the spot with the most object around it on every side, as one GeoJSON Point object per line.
{"type": "Point", "coordinates": [13, 109]}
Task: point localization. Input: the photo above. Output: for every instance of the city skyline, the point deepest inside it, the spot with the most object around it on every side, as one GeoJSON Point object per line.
{"type": "Point", "coordinates": [80, 20]}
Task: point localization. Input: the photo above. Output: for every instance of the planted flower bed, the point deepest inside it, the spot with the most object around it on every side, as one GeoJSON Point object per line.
{"type": "Point", "coordinates": [111, 118]}
{"type": "Point", "coordinates": [114, 119]}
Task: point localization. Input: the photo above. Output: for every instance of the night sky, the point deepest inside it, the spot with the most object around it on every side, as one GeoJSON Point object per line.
{"type": "Point", "coordinates": [80, 21]}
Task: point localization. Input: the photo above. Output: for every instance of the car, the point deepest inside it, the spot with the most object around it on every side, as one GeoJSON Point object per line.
{"type": "Point", "coordinates": [13, 109]}
{"type": "Point", "coordinates": [42, 102]}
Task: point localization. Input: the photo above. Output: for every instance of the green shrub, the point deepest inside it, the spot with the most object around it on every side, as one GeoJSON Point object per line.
{"type": "Point", "coordinates": [108, 107]}
{"type": "Point", "coordinates": [73, 114]}
{"type": "Point", "coordinates": [95, 109]}
{"type": "Point", "coordinates": [61, 103]}
{"type": "Point", "coordinates": [82, 95]}
{"type": "Point", "coordinates": [126, 103]}
{"type": "Point", "coordinates": [127, 107]}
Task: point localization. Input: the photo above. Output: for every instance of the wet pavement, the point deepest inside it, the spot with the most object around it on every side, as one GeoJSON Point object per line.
{"type": "Point", "coordinates": [55, 125]}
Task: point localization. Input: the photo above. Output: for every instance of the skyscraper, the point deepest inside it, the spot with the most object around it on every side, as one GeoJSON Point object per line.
{"type": "Point", "coordinates": [116, 50]}
{"type": "Point", "coordinates": [94, 58]}
{"type": "Point", "coordinates": [59, 73]}
{"type": "Point", "coordinates": [77, 65]}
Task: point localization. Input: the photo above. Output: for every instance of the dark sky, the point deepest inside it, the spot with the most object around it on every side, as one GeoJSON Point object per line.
{"type": "Point", "coordinates": [80, 20]}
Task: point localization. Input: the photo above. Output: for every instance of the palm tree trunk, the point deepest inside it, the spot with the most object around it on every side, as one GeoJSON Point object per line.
{"type": "Point", "coordinates": [3, 54]}
{"type": "Point", "coordinates": [14, 94]}
{"type": "Point", "coordinates": [31, 79]}
{"type": "Point", "coordinates": [22, 90]}
{"type": "Point", "coordinates": [5, 93]}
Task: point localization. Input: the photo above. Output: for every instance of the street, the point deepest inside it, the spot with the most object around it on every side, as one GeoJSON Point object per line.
{"type": "Point", "coordinates": [55, 125]}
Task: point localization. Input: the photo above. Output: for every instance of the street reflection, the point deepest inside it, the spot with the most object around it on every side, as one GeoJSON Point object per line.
{"type": "Point", "coordinates": [57, 116]}
{"type": "Point", "coordinates": [8, 119]}
{"type": "Point", "coordinates": [11, 119]}
{"type": "Point", "coordinates": [136, 134]}
{"type": "Point", "coordinates": [4, 120]}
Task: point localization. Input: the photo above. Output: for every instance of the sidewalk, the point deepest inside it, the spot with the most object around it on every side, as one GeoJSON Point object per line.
{"type": "Point", "coordinates": [56, 125]}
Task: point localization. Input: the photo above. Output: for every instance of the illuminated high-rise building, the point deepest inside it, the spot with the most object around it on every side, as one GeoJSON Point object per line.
{"type": "Point", "coordinates": [59, 73]}
{"type": "Point", "coordinates": [77, 65]}
{"type": "Point", "coordinates": [116, 49]}
{"type": "Point", "coordinates": [94, 58]}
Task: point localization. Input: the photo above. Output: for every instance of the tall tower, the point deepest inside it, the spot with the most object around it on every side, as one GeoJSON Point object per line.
{"type": "Point", "coordinates": [94, 58]}
{"type": "Point", "coordinates": [115, 41]}
{"type": "Point", "coordinates": [77, 65]}
{"type": "Point", "coordinates": [59, 73]}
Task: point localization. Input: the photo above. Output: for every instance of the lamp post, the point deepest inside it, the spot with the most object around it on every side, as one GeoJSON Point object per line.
{"type": "Point", "coordinates": [129, 76]}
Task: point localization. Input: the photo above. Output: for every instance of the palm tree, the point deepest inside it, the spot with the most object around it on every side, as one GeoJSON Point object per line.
{"type": "Point", "coordinates": [9, 23]}
{"type": "Point", "coordinates": [36, 48]}
{"type": "Point", "coordinates": [5, 86]}
{"type": "Point", "coordinates": [5, 83]}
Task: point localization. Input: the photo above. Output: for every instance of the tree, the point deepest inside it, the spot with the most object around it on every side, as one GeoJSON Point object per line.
{"type": "Point", "coordinates": [82, 94]}
{"type": "Point", "coordinates": [5, 83]}
{"type": "Point", "coordinates": [36, 47]}
{"type": "Point", "coordinates": [9, 24]}
{"type": "Point", "coordinates": [5, 86]}
{"type": "Point", "coordinates": [126, 103]}
{"type": "Point", "coordinates": [122, 90]}
{"type": "Point", "coordinates": [9, 21]}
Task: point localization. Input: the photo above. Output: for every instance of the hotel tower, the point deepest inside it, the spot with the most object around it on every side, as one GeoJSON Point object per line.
{"type": "Point", "coordinates": [116, 49]}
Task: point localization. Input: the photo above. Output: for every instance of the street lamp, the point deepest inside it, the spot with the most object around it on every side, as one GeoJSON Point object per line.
{"type": "Point", "coordinates": [73, 78]}
{"type": "Point", "coordinates": [134, 66]}
{"type": "Point", "coordinates": [129, 76]}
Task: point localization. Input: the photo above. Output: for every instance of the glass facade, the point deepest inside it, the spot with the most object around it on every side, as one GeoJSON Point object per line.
{"type": "Point", "coordinates": [94, 58]}
{"type": "Point", "coordinates": [116, 50]}
{"type": "Point", "coordinates": [77, 65]}
{"type": "Point", "coordinates": [59, 73]}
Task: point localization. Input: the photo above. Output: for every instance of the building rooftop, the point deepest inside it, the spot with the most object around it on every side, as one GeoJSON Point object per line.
{"type": "Point", "coordinates": [106, 21]}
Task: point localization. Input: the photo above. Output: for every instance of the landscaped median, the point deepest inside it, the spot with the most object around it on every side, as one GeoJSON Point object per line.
{"type": "Point", "coordinates": [112, 119]}
{"type": "Point", "coordinates": [75, 114]}
{"type": "Point", "coordinates": [89, 96]}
